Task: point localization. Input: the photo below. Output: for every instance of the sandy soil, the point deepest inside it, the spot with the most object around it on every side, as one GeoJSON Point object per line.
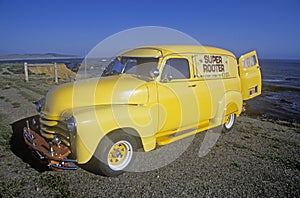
{"type": "Point", "coordinates": [256, 159]}
{"type": "Point", "coordinates": [62, 71]}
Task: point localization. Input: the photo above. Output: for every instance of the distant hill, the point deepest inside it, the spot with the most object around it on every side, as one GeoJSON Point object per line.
{"type": "Point", "coordinates": [36, 56]}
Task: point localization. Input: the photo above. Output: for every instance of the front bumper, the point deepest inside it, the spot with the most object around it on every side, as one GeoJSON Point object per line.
{"type": "Point", "coordinates": [54, 152]}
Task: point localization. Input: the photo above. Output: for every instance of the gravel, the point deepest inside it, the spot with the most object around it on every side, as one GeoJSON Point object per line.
{"type": "Point", "coordinates": [256, 159]}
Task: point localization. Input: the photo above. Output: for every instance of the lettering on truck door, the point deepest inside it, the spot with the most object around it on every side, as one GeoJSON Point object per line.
{"type": "Point", "coordinates": [211, 69]}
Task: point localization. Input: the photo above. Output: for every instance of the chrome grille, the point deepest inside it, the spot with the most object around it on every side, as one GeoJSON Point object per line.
{"type": "Point", "coordinates": [50, 128]}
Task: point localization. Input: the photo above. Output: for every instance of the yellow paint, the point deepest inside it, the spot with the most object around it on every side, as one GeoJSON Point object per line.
{"type": "Point", "coordinates": [250, 75]}
{"type": "Point", "coordinates": [157, 109]}
{"type": "Point", "coordinates": [117, 149]}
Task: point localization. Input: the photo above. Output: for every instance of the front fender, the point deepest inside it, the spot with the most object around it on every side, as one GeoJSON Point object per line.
{"type": "Point", "coordinates": [93, 123]}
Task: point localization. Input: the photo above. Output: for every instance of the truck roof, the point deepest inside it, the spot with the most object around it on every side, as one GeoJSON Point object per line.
{"type": "Point", "coordinates": [163, 50]}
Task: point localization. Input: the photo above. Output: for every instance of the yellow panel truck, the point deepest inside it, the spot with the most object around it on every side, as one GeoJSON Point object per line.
{"type": "Point", "coordinates": [147, 96]}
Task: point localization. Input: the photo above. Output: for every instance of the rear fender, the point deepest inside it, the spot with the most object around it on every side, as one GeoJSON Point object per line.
{"type": "Point", "coordinates": [232, 102]}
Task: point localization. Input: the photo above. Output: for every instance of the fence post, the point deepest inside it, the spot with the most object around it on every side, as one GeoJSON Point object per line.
{"type": "Point", "coordinates": [26, 72]}
{"type": "Point", "coordinates": [55, 73]}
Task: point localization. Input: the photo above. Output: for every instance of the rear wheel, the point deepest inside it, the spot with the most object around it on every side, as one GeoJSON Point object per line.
{"type": "Point", "coordinates": [228, 125]}
{"type": "Point", "coordinates": [115, 154]}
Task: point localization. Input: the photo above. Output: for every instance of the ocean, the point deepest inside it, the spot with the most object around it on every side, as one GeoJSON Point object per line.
{"type": "Point", "coordinates": [70, 62]}
{"type": "Point", "coordinates": [280, 98]}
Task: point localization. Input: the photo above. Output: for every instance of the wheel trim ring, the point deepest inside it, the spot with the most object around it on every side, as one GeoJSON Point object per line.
{"type": "Point", "coordinates": [230, 121]}
{"type": "Point", "coordinates": [125, 160]}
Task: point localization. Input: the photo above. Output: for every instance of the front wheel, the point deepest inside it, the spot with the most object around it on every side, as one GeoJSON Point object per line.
{"type": "Point", "coordinates": [120, 155]}
{"type": "Point", "coordinates": [115, 154]}
{"type": "Point", "coordinates": [228, 125]}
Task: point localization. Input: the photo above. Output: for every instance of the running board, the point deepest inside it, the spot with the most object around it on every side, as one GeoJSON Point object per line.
{"type": "Point", "coordinates": [168, 137]}
{"type": "Point", "coordinates": [164, 140]}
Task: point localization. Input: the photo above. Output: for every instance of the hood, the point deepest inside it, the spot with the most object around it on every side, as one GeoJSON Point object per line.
{"type": "Point", "coordinates": [121, 89]}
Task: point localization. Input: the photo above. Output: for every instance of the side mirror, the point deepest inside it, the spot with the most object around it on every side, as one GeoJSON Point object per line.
{"type": "Point", "coordinates": [167, 78]}
{"type": "Point", "coordinates": [154, 73]}
{"type": "Point", "coordinates": [170, 77]}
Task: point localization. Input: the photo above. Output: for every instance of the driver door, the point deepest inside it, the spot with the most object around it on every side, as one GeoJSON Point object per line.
{"type": "Point", "coordinates": [176, 95]}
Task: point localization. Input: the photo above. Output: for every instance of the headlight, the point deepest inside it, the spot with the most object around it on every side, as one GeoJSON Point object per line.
{"type": "Point", "coordinates": [38, 105]}
{"type": "Point", "coordinates": [71, 124]}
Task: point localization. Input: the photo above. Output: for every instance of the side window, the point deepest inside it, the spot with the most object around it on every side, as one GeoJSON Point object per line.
{"type": "Point", "coordinates": [176, 68]}
{"type": "Point", "coordinates": [249, 62]}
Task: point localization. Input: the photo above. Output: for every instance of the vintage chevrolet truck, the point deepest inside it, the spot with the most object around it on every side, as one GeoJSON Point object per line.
{"type": "Point", "coordinates": [147, 96]}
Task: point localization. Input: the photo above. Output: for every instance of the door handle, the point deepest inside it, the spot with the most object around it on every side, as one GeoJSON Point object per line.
{"type": "Point", "coordinates": [192, 85]}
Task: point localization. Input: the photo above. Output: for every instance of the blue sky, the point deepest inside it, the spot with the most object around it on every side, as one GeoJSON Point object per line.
{"type": "Point", "coordinates": [271, 27]}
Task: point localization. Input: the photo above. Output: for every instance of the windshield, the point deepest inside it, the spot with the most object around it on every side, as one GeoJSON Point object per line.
{"type": "Point", "coordinates": [137, 66]}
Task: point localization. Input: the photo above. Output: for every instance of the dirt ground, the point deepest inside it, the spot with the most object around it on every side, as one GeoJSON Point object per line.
{"type": "Point", "coordinates": [62, 70]}
{"type": "Point", "coordinates": [258, 158]}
